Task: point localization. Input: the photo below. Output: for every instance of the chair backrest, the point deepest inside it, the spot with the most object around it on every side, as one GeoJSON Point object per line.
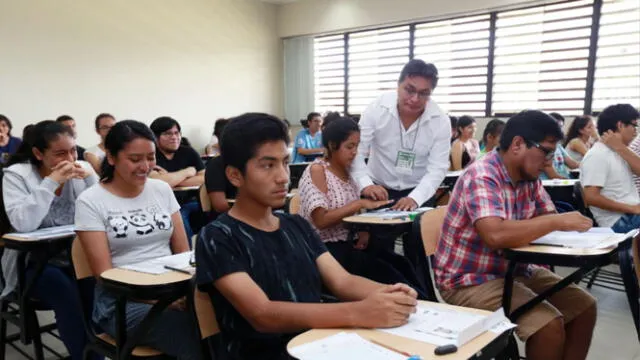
{"type": "Point", "coordinates": [85, 283]}
{"type": "Point", "coordinates": [205, 202]}
{"type": "Point", "coordinates": [205, 314]}
{"type": "Point", "coordinates": [294, 204]}
{"type": "Point", "coordinates": [431, 227]}
{"type": "Point", "coordinates": [636, 256]}
{"type": "Point", "coordinates": [583, 208]}
{"type": "Point", "coordinates": [79, 259]}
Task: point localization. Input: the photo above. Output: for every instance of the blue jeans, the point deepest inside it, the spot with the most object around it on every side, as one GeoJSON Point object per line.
{"type": "Point", "coordinates": [626, 223]}
{"type": "Point", "coordinates": [56, 290]}
{"type": "Point", "coordinates": [185, 211]}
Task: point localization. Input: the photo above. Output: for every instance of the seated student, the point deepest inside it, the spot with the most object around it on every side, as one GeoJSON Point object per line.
{"type": "Point", "coordinates": [68, 121]}
{"type": "Point", "coordinates": [499, 203]}
{"type": "Point", "coordinates": [218, 186]}
{"type": "Point", "coordinates": [39, 190]}
{"type": "Point", "coordinates": [308, 143]}
{"type": "Point", "coordinates": [178, 165]}
{"type": "Point", "coordinates": [8, 144]}
{"type": "Point", "coordinates": [213, 148]}
{"type": "Point", "coordinates": [95, 154]}
{"type": "Point", "coordinates": [328, 195]}
{"type": "Point", "coordinates": [126, 219]}
{"type": "Point", "coordinates": [635, 147]}
{"type": "Point", "coordinates": [267, 269]}
{"type": "Point", "coordinates": [578, 140]}
{"type": "Point", "coordinates": [562, 162]}
{"type": "Point", "coordinates": [464, 149]}
{"type": "Point", "coordinates": [607, 177]}
{"type": "Point", "coordinates": [491, 137]}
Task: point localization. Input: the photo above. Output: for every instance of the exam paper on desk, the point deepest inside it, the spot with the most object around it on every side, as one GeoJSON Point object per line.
{"type": "Point", "coordinates": [344, 346]}
{"type": "Point", "coordinates": [594, 238]}
{"type": "Point", "coordinates": [157, 266]}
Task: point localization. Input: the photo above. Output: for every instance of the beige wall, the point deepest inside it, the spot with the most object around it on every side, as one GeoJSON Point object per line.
{"type": "Point", "coordinates": [195, 60]}
{"type": "Point", "coordinates": [306, 17]}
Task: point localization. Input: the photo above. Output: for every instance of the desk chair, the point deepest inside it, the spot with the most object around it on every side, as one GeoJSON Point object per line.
{"type": "Point", "coordinates": [207, 324]}
{"type": "Point", "coordinates": [203, 199]}
{"type": "Point", "coordinates": [426, 231]}
{"type": "Point", "coordinates": [630, 258]}
{"type": "Point", "coordinates": [99, 343]}
{"type": "Point", "coordinates": [600, 277]}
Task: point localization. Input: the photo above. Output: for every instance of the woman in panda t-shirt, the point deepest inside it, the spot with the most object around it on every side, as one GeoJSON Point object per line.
{"type": "Point", "coordinates": [128, 218]}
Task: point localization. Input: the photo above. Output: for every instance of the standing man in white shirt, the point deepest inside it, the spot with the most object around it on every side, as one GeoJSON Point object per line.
{"type": "Point", "coordinates": [407, 138]}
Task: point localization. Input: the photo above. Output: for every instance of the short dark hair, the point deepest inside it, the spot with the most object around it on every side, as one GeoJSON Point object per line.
{"type": "Point", "coordinates": [532, 125]}
{"type": "Point", "coordinates": [100, 117]}
{"type": "Point", "coordinates": [609, 117]}
{"type": "Point", "coordinates": [417, 67]}
{"type": "Point", "coordinates": [244, 134]}
{"type": "Point", "coordinates": [494, 128]}
{"type": "Point", "coordinates": [7, 121]}
{"type": "Point", "coordinates": [312, 115]}
{"type": "Point", "coordinates": [557, 116]}
{"type": "Point", "coordinates": [337, 132]}
{"type": "Point", "coordinates": [218, 127]}
{"type": "Point", "coordinates": [38, 136]}
{"type": "Point", "coordinates": [62, 118]}
{"type": "Point", "coordinates": [162, 124]}
{"type": "Point", "coordinates": [119, 136]}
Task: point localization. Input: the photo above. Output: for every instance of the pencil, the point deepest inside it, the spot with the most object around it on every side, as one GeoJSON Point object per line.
{"type": "Point", "coordinates": [177, 269]}
{"type": "Point", "coordinates": [390, 348]}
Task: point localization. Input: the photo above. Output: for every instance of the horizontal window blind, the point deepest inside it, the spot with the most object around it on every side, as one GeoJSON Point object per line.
{"type": "Point", "coordinates": [459, 48]}
{"type": "Point", "coordinates": [617, 75]}
{"type": "Point", "coordinates": [541, 58]}
{"type": "Point", "coordinates": [329, 73]}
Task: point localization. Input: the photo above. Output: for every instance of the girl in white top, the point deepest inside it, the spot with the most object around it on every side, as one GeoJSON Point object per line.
{"type": "Point", "coordinates": [128, 218]}
{"type": "Point", "coordinates": [579, 137]}
{"type": "Point", "coordinates": [95, 154]}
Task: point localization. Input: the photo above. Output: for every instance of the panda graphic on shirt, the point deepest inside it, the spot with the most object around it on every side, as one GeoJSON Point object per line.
{"type": "Point", "coordinates": [139, 222]}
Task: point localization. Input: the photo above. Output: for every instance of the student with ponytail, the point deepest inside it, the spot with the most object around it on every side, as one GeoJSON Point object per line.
{"type": "Point", "coordinates": [39, 188]}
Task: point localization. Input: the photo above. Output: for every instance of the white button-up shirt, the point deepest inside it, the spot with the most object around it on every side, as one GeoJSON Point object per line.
{"type": "Point", "coordinates": [382, 135]}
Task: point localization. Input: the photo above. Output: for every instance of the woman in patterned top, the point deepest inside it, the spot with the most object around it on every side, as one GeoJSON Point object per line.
{"type": "Point", "coordinates": [328, 195]}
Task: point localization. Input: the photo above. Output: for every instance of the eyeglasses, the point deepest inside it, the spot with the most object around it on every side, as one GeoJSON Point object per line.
{"type": "Point", "coordinates": [548, 153]}
{"type": "Point", "coordinates": [171, 133]}
{"type": "Point", "coordinates": [411, 91]}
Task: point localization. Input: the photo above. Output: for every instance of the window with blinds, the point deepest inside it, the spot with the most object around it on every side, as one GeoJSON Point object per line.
{"type": "Point", "coordinates": [376, 58]}
{"type": "Point", "coordinates": [541, 58]}
{"type": "Point", "coordinates": [459, 48]}
{"type": "Point", "coordinates": [329, 73]}
{"type": "Point", "coordinates": [617, 75]}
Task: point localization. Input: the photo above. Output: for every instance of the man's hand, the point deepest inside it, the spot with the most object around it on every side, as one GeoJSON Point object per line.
{"type": "Point", "coordinates": [573, 221]}
{"type": "Point", "coordinates": [375, 192]}
{"type": "Point", "coordinates": [190, 171]}
{"type": "Point", "coordinates": [613, 140]}
{"type": "Point", "coordinates": [389, 306]}
{"type": "Point", "coordinates": [405, 204]}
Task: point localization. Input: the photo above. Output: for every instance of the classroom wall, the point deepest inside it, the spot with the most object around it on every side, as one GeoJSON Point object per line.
{"type": "Point", "coordinates": [305, 17]}
{"type": "Point", "coordinates": [194, 60]}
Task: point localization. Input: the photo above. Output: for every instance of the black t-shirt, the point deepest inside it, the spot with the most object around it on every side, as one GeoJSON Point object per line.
{"type": "Point", "coordinates": [282, 263]}
{"type": "Point", "coordinates": [215, 179]}
{"type": "Point", "coordinates": [80, 150]}
{"type": "Point", "coordinates": [184, 157]}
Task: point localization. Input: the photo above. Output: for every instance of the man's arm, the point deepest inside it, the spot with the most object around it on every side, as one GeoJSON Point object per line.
{"type": "Point", "coordinates": [614, 141]}
{"type": "Point", "coordinates": [437, 164]}
{"type": "Point", "coordinates": [551, 172]}
{"type": "Point", "coordinates": [305, 151]}
{"type": "Point", "coordinates": [172, 178]}
{"type": "Point", "coordinates": [568, 160]}
{"type": "Point", "coordinates": [594, 197]}
{"type": "Point", "coordinates": [196, 180]}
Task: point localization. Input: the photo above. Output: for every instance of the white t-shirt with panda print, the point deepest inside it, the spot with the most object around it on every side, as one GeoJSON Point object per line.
{"type": "Point", "coordinates": [138, 229]}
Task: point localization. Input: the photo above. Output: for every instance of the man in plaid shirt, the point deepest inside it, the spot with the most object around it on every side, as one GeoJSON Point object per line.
{"type": "Point", "coordinates": [499, 203]}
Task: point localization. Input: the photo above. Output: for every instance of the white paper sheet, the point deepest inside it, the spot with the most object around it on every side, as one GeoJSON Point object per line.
{"type": "Point", "coordinates": [47, 233]}
{"type": "Point", "coordinates": [595, 238]}
{"type": "Point", "coordinates": [157, 266]}
{"type": "Point", "coordinates": [344, 346]}
{"type": "Point", "coordinates": [394, 214]}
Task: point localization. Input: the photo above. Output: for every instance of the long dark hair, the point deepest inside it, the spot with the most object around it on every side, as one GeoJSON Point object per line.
{"type": "Point", "coordinates": [39, 136]}
{"type": "Point", "coordinates": [337, 132]}
{"type": "Point", "coordinates": [494, 128]}
{"type": "Point", "coordinates": [578, 123]}
{"type": "Point", "coordinates": [463, 122]}
{"type": "Point", "coordinates": [119, 136]}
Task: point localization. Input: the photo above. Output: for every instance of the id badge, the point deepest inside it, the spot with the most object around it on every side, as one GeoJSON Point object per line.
{"type": "Point", "coordinates": [405, 161]}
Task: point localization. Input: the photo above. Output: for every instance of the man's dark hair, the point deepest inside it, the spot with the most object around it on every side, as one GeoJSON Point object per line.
{"type": "Point", "coordinates": [244, 134]}
{"type": "Point", "coordinates": [162, 124]}
{"type": "Point", "coordinates": [417, 67]}
{"type": "Point", "coordinates": [312, 115]}
{"type": "Point", "coordinates": [609, 117]}
{"type": "Point", "coordinates": [218, 127]}
{"type": "Point", "coordinates": [557, 116]}
{"type": "Point", "coordinates": [100, 117]}
{"type": "Point", "coordinates": [532, 125]}
{"type": "Point", "coordinates": [64, 118]}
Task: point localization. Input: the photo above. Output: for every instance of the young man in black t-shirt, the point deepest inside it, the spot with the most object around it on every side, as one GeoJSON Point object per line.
{"type": "Point", "coordinates": [177, 165]}
{"type": "Point", "coordinates": [67, 120]}
{"type": "Point", "coordinates": [265, 271]}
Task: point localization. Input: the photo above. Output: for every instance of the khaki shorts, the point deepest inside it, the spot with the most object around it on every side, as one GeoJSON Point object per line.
{"type": "Point", "coordinates": [567, 303]}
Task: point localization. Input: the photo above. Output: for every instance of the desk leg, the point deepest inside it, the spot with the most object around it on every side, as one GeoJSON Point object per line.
{"type": "Point", "coordinates": [508, 288]}
{"type": "Point", "coordinates": [630, 283]}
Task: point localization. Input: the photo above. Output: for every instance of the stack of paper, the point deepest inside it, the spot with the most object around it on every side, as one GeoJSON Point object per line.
{"type": "Point", "coordinates": [344, 346]}
{"type": "Point", "coordinates": [55, 232]}
{"type": "Point", "coordinates": [595, 238]}
{"type": "Point", "coordinates": [440, 326]}
{"type": "Point", "coordinates": [164, 264]}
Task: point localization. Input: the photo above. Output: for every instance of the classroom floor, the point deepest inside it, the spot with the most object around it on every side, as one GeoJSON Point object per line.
{"type": "Point", "coordinates": [614, 337]}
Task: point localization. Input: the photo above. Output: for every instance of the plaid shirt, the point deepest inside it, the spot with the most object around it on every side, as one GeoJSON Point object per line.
{"type": "Point", "coordinates": [483, 190]}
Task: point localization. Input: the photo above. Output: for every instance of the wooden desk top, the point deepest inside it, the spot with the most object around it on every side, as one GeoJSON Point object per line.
{"type": "Point", "coordinates": [557, 250]}
{"type": "Point", "coordinates": [186, 188]}
{"type": "Point", "coordinates": [134, 278]}
{"type": "Point", "coordinates": [411, 346]}
{"type": "Point", "coordinates": [372, 220]}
